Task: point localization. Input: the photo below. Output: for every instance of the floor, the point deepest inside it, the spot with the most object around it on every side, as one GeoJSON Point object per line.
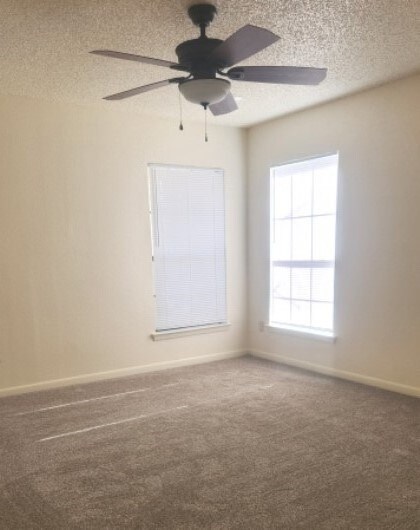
{"type": "Point", "coordinates": [237, 444]}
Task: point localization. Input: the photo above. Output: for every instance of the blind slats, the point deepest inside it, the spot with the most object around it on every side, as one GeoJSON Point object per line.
{"type": "Point", "coordinates": [188, 233]}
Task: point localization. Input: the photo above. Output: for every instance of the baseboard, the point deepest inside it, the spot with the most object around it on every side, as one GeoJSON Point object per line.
{"type": "Point", "coordinates": [341, 374]}
{"type": "Point", "coordinates": [189, 361]}
{"type": "Point", "coordinates": [121, 372]}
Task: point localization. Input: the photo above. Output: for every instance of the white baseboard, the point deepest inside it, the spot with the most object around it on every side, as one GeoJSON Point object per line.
{"type": "Point", "coordinates": [189, 361]}
{"type": "Point", "coordinates": [121, 372]}
{"type": "Point", "coordinates": [341, 374]}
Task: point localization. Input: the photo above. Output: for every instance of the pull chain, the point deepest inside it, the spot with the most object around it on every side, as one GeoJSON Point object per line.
{"type": "Point", "coordinates": [206, 139]}
{"type": "Point", "coordinates": [181, 127]}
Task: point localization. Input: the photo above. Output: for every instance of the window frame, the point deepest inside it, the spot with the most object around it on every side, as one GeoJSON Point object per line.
{"type": "Point", "coordinates": [327, 334]}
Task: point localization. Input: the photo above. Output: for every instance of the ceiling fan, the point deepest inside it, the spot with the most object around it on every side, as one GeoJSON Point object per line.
{"type": "Point", "coordinates": [203, 59]}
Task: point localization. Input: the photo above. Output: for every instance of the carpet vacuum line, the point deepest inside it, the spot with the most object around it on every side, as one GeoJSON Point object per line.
{"type": "Point", "coordinates": [82, 401]}
{"type": "Point", "coordinates": [152, 414]}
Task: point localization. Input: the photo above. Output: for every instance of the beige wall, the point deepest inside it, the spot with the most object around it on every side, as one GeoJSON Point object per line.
{"type": "Point", "coordinates": [75, 269]}
{"type": "Point", "coordinates": [75, 253]}
{"type": "Point", "coordinates": [377, 134]}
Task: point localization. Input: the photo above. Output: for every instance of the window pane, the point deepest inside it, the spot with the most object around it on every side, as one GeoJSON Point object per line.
{"type": "Point", "coordinates": [325, 190]}
{"type": "Point", "coordinates": [301, 239]}
{"type": "Point", "coordinates": [282, 196]}
{"type": "Point", "coordinates": [280, 311]}
{"type": "Point", "coordinates": [302, 193]}
{"type": "Point", "coordinates": [301, 313]}
{"type": "Point", "coordinates": [303, 206]}
{"type": "Point", "coordinates": [282, 233]}
{"type": "Point", "coordinates": [281, 282]}
{"type": "Point", "coordinates": [323, 284]}
{"type": "Point", "coordinates": [301, 283]}
{"type": "Point", "coordinates": [324, 238]}
{"type": "Point", "coordinates": [322, 315]}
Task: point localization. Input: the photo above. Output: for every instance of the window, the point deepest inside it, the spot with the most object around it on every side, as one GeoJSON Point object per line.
{"type": "Point", "coordinates": [188, 236]}
{"type": "Point", "coordinates": [303, 214]}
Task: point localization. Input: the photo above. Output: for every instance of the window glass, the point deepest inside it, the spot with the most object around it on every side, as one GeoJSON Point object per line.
{"type": "Point", "coordinates": [303, 219]}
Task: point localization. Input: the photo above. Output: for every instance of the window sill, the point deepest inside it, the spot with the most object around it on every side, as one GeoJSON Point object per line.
{"type": "Point", "coordinates": [303, 333]}
{"type": "Point", "coordinates": [185, 332]}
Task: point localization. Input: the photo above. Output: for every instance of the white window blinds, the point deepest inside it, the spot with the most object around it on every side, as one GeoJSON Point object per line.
{"type": "Point", "coordinates": [303, 214]}
{"type": "Point", "coordinates": [188, 234]}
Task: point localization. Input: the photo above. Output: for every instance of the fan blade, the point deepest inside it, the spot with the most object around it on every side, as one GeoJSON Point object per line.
{"type": "Point", "coordinates": [225, 106]}
{"type": "Point", "coordinates": [245, 42]}
{"type": "Point", "coordinates": [141, 89]}
{"type": "Point", "coordinates": [133, 57]}
{"type": "Point", "coordinates": [287, 75]}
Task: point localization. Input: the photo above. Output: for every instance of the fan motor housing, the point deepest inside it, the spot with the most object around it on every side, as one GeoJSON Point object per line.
{"type": "Point", "coordinates": [193, 54]}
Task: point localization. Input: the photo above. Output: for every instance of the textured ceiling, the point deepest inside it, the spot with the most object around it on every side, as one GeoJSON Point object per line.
{"type": "Point", "coordinates": [44, 45]}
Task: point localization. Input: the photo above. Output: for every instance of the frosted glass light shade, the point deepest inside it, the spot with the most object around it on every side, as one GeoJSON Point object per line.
{"type": "Point", "coordinates": [205, 91]}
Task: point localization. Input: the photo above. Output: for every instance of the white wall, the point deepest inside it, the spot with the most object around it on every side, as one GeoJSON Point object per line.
{"type": "Point", "coordinates": [377, 134]}
{"type": "Point", "coordinates": [76, 290]}
{"type": "Point", "coordinates": [75, 268]}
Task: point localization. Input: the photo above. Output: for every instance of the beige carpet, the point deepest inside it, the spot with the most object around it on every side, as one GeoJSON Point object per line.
{"type": "Point", "coordinates": [241, 444]}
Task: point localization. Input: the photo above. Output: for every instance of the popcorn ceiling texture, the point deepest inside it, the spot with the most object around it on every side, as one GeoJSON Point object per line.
{"type": "Point", "coordinates": [44, 49]}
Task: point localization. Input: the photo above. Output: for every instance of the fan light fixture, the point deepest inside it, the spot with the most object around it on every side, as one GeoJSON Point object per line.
{"type": "Point", "coordinates": [205, 91]}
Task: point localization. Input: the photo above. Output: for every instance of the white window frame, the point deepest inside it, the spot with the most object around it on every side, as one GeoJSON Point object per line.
{"type": "Point", "coordinates": [292, 329]}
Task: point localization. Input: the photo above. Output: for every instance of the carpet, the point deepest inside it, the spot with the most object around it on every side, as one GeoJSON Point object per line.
{"type": "Point", "coordinates": [236, 444]}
